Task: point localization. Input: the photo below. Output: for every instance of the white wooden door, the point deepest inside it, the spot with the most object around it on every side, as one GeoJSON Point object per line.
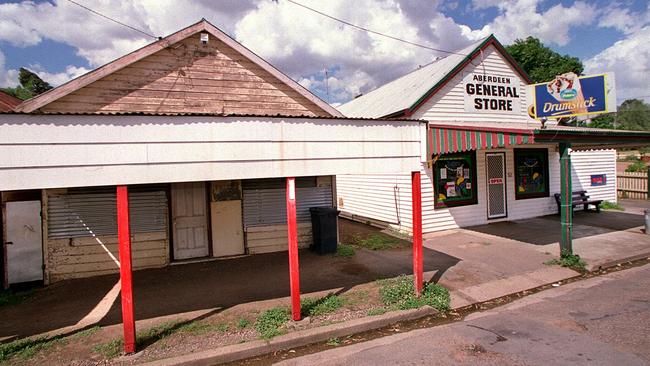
{"type": "Point", "coordinates": [24, 242]}
{"type": "Point", "coordinates": [189, 220]}
{"type": "Point", "coordinates": [496, 185]}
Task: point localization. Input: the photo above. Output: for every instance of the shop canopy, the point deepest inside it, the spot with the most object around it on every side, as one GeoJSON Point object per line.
{"type": "Point", "coordinates": [445, 139]}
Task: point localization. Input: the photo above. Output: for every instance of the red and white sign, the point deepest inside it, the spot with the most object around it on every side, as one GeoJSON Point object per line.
{"type": "Point", "coordinates": [495, 181]}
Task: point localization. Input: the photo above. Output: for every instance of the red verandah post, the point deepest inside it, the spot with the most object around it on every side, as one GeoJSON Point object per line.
{"type": "Point", "coordinates": [417, 232]}
{"type": "Point", "coordinates": [292, 231]}
{"type": "Point", "coordinates": [126, 273]}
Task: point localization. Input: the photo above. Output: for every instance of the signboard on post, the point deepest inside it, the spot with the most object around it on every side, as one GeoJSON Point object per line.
{"type": "Point", "coordinates": [491, 93]}
{"type": "Point", "coordinates": [571, 95]}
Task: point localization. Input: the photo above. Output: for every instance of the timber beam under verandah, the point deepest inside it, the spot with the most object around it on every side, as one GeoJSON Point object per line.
{"type": "Point", "coordinates": [447, 139]}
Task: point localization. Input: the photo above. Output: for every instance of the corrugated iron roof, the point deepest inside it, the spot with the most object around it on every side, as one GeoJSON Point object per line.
{"type": "Point", "coordinates": [205, 114]}
{"type": "Point", "coordinates": [405, 91]}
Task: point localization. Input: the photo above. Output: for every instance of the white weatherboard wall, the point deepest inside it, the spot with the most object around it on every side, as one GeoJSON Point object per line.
{"type": "Point", "coordinates": [448, 104]}
{"type": "Point", "coordinates": [374, 196]}
{"type": "Point", "coordinates": [52, 151]}
{"type": "Point", "coordinates": [584, 164]}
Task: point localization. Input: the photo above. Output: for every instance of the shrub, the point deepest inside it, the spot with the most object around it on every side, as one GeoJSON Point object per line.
{"type": "Point", "coordinates": [399, 293]}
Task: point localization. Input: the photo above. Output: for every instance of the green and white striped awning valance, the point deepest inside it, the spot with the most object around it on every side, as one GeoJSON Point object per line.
{"type": "Point", "coordinates": [450, 139]}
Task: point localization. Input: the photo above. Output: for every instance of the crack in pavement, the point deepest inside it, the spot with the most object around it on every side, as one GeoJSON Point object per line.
{"type": "Point", "coordinates": [500, 338]}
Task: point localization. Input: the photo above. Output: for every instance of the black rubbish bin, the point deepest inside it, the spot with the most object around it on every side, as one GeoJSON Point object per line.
{"type": "Point", "coordinates": [323, 227]}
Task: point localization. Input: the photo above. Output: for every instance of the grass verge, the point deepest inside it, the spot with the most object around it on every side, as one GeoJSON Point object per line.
{"type": "Point", "coordinates": [606, 205]}
{"type": "Point", "coordinates": [345, 250]}
{"type": "Point", "coordinates": [325, 305]}
{"type": "Point", "coordinates": [569, 260]}
{"type": "Point", "coordinates": [378, 242]}
{"type": "Point", "coordinates": [269, 323]}
{"type": "Point", "coordinates": [27, 348]}
{"type": "Point", "coordinates": [399, 294]}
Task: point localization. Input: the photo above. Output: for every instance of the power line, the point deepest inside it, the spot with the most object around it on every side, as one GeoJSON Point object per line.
{"type": "Point", "coordinates": [112, 20]}
{"type": "Point", "coordinates": [374, 32]}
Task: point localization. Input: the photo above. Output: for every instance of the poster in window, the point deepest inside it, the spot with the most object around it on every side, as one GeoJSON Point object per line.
{"type": "Point", "coordinates": [531, 173]}
{"type": "Point", "coordinates": [454, 178]}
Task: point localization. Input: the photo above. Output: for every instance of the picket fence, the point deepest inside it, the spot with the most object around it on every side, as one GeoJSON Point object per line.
{"type": "Point", "coordinates": [632, 185]}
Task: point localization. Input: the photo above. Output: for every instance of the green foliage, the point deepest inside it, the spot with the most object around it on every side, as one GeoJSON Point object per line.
{"type": "Point", "coordinates": [88, 332]}
{"type": "Point", "coordinates": [325, 305]}
{"type": "Point", "coordinates": [110, 349]}
{"type": "Point", "coordinates": [345, 250]}
{"type": "Point", "coordinates": [377, 311]}
{"type": "Point", "coordinates": [569, 260]}
{"type": "Point", "coordinates": [603, 121]}
{"type": "Point", "coordinates": [540, 62]}
{"type": "Point", "coordinates": [9, 297]}
{"type": "Point", "coordinates": [243, 323]}
{"type": "Point", "coordinates": [27, 348]}
{"type": "Point", "coordinates": [30, 85]}
{"type": "Point", "coordinates": [378, 242]}
{"type": "Point", "coordinates": [270, 322]}
{"type": "Point", "coordinates": [399, 293]}
{"type": "Point", "coordinates": [633, 114]}
{"type": "Point", "coordinates": [333, 342]}
{"type": "Point", "coordinates": [637, 166]}
{"type": "Point", "coordinates": [606, 205]}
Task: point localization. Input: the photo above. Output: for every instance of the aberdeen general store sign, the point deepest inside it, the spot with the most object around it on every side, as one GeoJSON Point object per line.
{"type": "Point", "coordinates": [491, 93]}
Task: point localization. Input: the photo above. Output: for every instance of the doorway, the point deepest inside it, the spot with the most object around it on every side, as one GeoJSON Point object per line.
{"type": "Point", "coordinates": [24, 242]}
{"type": "Point", "coordinates": [189, 221]}
{"type": "Point", "coordinates": [496, 185]}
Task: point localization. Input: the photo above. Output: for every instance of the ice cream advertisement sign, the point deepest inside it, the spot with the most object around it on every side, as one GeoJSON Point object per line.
{"type": "Point", "coordinates": [572, 95]}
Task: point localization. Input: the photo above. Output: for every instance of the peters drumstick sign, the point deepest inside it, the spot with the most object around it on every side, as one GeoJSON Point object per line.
{"type": "Point", "coordinates": [572, 95]}
{"type": "Point", "coordinates": [486, 92]}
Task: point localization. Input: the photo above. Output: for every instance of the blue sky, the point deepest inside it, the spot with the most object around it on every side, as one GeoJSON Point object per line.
{"type": "Point", "coordinates": [60, 40]}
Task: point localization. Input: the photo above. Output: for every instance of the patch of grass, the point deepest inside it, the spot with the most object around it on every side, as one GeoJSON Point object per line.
{"type": "Point", "coordinates": [195, 327]}
{"type": "Point", "coordinates": [569, 260]}
{"type": "Point", "coordinates": [10, 297]}
{"type": "Point", "coordinates": [243, 323]}
{"type": "Point", "coordinates": [399, 293]}
{"type": "Point", "coordinates": [223, 327]}
{"type": "Point", "coordinates": [377, 242]}
{"type": "Point", "coordinates": [377, 311]}
{"type": "Point", "coordinates": [28, 347]}
{"type": "Point", "coordinates": [606, 205]}
{"type": "Point", "coordinates": [356, 297]}
{"type": "Point", "coordinates": [87, 332]}
{"type": "Point", "coordinates": [269, 323]}
{"type": "Point", "coordinates": [333, 342]}
{"type": "Point", "coordinates": [110, 349]}
{"type": "Point", "coordinates": [325, 305]}
{"type": "Point", "coordinates": [345, 250]}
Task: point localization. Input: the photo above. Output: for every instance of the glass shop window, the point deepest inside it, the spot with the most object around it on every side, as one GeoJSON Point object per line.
{"type": "Point", "coordinates": [531, 173]}
{"type": "Point", "coordinates": [455, 179]}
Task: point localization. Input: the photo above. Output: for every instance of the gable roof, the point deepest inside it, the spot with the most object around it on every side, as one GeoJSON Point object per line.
{"type": "Point", "coordinates": [135, 56]}
{"type": "Point", "coordinates": [403, 96]}
{"type": "Point", "coordinates": [8, 102]}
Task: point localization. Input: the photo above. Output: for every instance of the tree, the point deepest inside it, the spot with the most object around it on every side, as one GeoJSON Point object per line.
{"type": "Point", "coordinates": [540, 62]}
{"type": "Point", "coordinates": [30, 85]}
{"type": "Point", "coordinates": [633, 114]}
{"type": "Point", "coordinates": [603, 121]}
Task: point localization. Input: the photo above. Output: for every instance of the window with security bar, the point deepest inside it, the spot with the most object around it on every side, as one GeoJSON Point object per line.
{"type": "Point", "coordinates": [455, 179]}
{"type": "Point", "coordinates": [531, 173]}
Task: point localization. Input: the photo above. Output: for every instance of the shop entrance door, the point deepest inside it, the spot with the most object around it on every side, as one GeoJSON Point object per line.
{"type": "Point", "coordinates": [24, 242]}
{"type": "Point", "coordinates": [496, 185]}
{"type": "Point", "coordinates": [189, 220]}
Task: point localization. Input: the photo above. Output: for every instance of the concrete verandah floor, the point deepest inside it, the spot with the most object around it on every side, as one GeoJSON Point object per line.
{"type": "Point", "coordinates": [476, 264]}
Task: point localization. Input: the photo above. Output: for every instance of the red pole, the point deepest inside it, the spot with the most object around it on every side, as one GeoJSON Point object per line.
{"type": "Point", "coordinates": [417, 232]}
{"type": "Point", "coordinates": [292, 231]}
{"type": "Point", "coordinates": [126, 272]}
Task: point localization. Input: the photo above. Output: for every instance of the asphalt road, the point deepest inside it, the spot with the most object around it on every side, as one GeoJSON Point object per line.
{"type": "Point", "coordinates": [599, 321]}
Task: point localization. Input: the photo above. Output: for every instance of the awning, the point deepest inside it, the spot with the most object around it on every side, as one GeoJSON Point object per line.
{"type": "Point", "coordinates": [449, 139]}
{"type": "Point", "coordinates": [445, 139]}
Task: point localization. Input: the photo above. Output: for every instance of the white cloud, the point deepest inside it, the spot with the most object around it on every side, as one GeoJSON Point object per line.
{"type": "Point", "coordinates": [623, 19]}
{"type": "Point", "coordinates": [629, 59]}
{"type": "Point", "coordinates": [303, 44]}
{"type": "Point", "coordinates": [521, 18]}
{"type": "Point", "coordinates": [8, 78]}
{"type": "Point", "coordinates": [56, 79]}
